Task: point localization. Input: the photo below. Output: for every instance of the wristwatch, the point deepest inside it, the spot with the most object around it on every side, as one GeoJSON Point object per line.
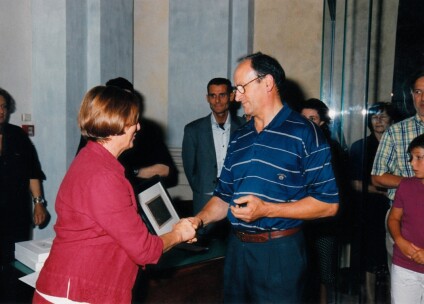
{"type": "Point", "coordinates": [38, 200]}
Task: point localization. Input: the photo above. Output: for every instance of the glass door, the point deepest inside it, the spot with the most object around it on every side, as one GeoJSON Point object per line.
{"type": "Point", "coordinates": [358, 58]}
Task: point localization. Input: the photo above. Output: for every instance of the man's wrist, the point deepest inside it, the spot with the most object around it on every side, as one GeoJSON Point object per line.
{"type": "Point", "coordinates": [200, 225]}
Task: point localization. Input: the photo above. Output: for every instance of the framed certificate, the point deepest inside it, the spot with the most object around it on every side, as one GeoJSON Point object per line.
{"type": "Point", "coordinates": [158, 209]}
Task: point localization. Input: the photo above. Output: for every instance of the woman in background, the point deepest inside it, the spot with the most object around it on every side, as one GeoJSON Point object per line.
{"type": "Point", "coordinates": [375, 202]}
{"type": "Point", "coordinates": [100, 237]}
{"type": "Point", "coordinates": [322, 235]}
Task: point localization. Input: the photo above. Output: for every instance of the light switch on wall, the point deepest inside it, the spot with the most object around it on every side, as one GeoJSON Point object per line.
{"type": "Point", "coordinates": [26, 117]}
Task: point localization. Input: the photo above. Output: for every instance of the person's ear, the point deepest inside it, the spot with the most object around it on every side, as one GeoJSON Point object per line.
{"type": "Point", "coordinates": [269, 82]}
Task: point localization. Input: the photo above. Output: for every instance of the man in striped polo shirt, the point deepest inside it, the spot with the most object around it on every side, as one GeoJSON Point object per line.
{"type": "Point", "coordinates": [277, 173]}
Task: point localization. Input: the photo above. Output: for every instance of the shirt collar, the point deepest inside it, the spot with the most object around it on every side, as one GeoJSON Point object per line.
{"type": "Point", "coordinates": [227, 123]}
{"type": "Point", "coordinates": [105, 155]}
{"type": "Point", "coordinates": [280, 117]}
{"type": "Point", "coordinates": [418, 120]}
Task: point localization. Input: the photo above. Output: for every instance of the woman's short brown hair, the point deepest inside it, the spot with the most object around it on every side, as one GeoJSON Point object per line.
{"type": "Point", "coordinates": [106, 111]}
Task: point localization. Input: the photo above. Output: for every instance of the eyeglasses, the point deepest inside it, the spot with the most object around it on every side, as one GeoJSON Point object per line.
{"type": "Point", "coordinates": [220, 95]}
{"type": "Point", "coordinates": [417, 92]}
{"type": "Point", "coordinates": [241, 87]}
{"type": "Point", "coordinates": [417, 157]}
{"type": "Point", "coordinates": [380, 117]}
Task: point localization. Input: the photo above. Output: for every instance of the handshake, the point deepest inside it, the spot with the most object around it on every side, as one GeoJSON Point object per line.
{"type": "Point", "coordinates": [187, 227]}
{"type": "Point", "coordinates": [183, 231]}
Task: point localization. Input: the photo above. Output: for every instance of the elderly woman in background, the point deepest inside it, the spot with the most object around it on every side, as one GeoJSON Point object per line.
{"type": "Point", "coordinates": [375, 203]}
{"type": "Point", "coordinates": [100, 237]}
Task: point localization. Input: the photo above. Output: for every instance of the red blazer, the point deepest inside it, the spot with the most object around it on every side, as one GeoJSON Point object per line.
{"type": "Point", "coordinates": [100, 237]}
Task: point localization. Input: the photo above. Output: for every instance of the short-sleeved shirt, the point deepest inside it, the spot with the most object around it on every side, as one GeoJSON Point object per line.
{"type": "Point", "coordinates": [18, 164]}
{"type": "Point", "coordinates": [288, 160]}
{"type": "Point", "coordinates": [391, 154]}
{"type": "Point", "coordinates": [410, 199]}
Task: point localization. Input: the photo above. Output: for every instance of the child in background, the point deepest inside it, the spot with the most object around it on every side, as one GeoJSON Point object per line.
{"type": "Point", "coordinates": [405, 225]}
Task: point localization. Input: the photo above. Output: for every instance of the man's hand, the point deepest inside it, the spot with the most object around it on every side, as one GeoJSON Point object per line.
{"type": "Point", "coordinates": [249, 208]}
{"type": "Point", "coordinates": [40, 213]}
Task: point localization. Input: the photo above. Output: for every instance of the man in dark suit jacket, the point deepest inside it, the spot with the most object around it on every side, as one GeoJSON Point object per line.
{"type": "Point", "coordinates": [205, 144]}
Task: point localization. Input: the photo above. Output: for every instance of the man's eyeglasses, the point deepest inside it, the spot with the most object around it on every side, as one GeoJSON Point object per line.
{"type": "Point", "coordinates": [241, 87]}
{"type": "Point", "coordinates": [220, 95]}
{"type": "Point", "coordinates": [417, 92]}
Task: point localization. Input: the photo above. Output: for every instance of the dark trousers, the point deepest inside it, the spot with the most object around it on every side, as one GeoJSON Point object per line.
{"type": "Point", "coordinates": [270, 272]}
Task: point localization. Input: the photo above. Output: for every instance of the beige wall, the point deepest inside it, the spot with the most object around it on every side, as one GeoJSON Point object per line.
{"type": "Point", "coordinates": [151, 22]}
{"type": "Point", "coordinates": [291, 31]}
{"type": "Point", "coordinates": [288, 30]}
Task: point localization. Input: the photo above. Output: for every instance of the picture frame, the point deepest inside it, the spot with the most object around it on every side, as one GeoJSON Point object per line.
{"type": "Point", "coordinates": [158, 209]}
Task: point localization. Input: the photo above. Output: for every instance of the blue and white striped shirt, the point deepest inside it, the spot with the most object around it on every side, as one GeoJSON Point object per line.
{"type": "Point", "coordinates": [289, 160]}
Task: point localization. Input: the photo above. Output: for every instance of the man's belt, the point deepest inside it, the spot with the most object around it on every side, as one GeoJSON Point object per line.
{"type": "Point", "coordinates": [265, 236]}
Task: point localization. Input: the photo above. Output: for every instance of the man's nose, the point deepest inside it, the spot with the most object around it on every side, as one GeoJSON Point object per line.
{"type": "Point", "coordinates": [238, 96]}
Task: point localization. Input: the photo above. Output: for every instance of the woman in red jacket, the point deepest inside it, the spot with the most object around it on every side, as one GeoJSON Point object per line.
{"type": "Point", "coordinates": [100, 237]}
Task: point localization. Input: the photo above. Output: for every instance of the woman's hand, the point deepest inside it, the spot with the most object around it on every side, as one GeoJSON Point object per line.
{"type": "Point", "coordinates": [183, 231]}
{"type": "Point", "coordinates": [186, 230]}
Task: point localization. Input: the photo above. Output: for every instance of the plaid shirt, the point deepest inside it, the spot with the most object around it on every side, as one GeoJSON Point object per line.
{"type": "Point", "coordinates": [391, 155]}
